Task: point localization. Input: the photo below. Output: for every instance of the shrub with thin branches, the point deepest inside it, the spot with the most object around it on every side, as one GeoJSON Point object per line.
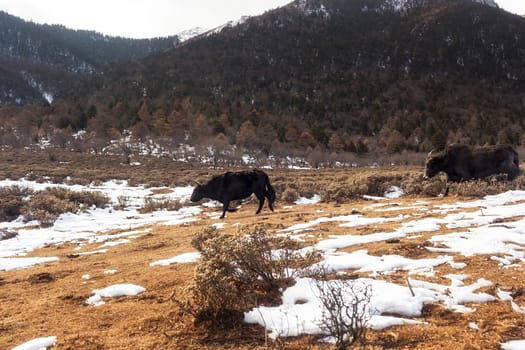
{"type": "Point", "coordinates": [238, 272]}
{"type": "Point", "coordinates": [268, 261]}
{"type": "Point", "coordinates": [289, 195]}
{"type": "Point", "coordinates": [47, 205]}
{"type": "Point", "coordinates": [151, 205]}
{"type": "Point", "coordinates": [345, 309]}
{"type": "Point", "coordinates": [46, 208]}
{"type": "Point", "coordinates": [12, 201]}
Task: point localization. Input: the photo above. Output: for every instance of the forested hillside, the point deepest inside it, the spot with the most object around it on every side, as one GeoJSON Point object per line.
{"type": "Point", "coordinates": [327, 75]}
{"type": "Point", "coordinates": [41, 62]}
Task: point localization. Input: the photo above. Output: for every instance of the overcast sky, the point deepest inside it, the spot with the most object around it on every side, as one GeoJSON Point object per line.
{"type": "Point", "coordinates": [152, 18]}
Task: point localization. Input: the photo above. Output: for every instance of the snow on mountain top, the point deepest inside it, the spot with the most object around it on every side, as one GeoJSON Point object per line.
{"type": "Point", "coordinates": [490, 3]}
{"type": "Point", "coordinates": [191, 33]}
{"type": "Point", "coordinates": [230, 24]}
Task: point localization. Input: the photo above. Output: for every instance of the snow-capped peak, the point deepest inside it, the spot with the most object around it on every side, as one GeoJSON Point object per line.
{"type": "Point", "coordinates": [490, 3]}
{"type": "Point", "coordinates": [230, 24]}
{"type": "Point", "coordinates": [191, 33]}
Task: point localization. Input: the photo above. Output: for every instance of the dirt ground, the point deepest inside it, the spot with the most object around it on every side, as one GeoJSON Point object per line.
{"type": "Point", "coordinates": [50, 299]}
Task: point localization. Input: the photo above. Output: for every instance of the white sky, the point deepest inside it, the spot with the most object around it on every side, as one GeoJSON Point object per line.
{"type": "Point", "coordinates": [137, 18]}
{"type": "Point", "coordinates": [152, 18]}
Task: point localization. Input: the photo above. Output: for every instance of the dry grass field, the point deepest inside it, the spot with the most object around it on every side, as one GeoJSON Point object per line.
{"type": "Point", "coordinates": [50, 299]}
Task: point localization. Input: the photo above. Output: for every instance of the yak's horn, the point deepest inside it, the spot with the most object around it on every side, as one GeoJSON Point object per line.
{"type": "Point", "coordinates": [197, 182]}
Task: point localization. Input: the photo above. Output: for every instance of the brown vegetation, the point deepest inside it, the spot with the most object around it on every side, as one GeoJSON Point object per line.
{"type": "Point", "coordinates": [45, 206]}
{"type": "Point", "coordinates": [50, 299]}
{"type": "Point", "coordinates": [321, 89]}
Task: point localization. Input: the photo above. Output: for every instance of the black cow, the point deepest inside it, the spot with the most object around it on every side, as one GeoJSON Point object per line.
{"type": "Point", "coordinates": [462, 162]}
{"type": "Point", "coordinates": [236, 185]}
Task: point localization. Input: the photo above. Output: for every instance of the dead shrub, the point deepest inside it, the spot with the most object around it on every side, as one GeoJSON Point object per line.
{"type": "Point", "coordinates": [88, 199]}
{"type": "Point", "coordinates": [377, 185]}
{"type": "Point", "coordinates": [81, 199]}
{"type": "Point", "coordinates": [300, 187]}
{"type": "Point", "coordinates": [123, 202]}
{"type": "Point", "coordinates": [349, 187]}
{"type": "Point", "coordinates": [412, 184]}
{"type": "Point", "coordinates": [47, 205]}
{"type": "Point", "coordinates": [46, 208]}
{"type": "Point", "coordinates": [151, 205]}
{"type": "Point", "coordinates": [340, 192]}
{"type": "Point", "coordinates": [290, 195]}
{"type": "Point", "coordinates": [236, 273]}
{"type": "Point", "coordinates": [346, 309]}
{"type": "Point", "coordinates": [439, 186]}
{"type": "Point", "coordinates": [12, 201]}
{"type": "Point", "coordinates": [518, 183]}
{"type": "Point", "coordinates": [474, 188]}
{"type": "Point", "coordinates": [435, 186]}
{"type": "Point", "coordinates": [7, 234]}
{"type": "Point", "coordinates": [215, 295]}
{"type": "Point", "coordinates": [270, 262]}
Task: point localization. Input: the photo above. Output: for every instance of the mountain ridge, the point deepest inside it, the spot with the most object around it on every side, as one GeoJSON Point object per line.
{"type": "Point", "coordinates": [28, 51]}
{"type": "Point", "coordinates": [328, 74]}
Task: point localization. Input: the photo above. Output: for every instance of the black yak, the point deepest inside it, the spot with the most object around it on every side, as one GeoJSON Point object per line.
{"type": "Point", "coordinates": [236, 185]}
{"type": "Point", "coordinates": [461, 162]}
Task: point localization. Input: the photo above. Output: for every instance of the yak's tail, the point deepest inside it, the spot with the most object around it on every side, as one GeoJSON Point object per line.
{"type": "Point", "coordinates": [269, 192]}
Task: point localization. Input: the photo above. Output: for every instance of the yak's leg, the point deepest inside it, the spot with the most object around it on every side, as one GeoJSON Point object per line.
{"type": "Point", "coordinates": [260, 197]}
{"type": "Point", "coordinates": [225, 206]}
{"type": "Point", "coordinates": [269, 203]}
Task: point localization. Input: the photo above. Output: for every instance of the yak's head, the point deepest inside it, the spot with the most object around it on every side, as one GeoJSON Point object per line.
{"type": "Point", "coordinates": [197, 194]}
{"type": "Point", "coordinates": [434, 164]}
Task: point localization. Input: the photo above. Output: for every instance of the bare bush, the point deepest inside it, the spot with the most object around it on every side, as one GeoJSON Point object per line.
{"type": "Point", "coordinates": [216, 292]}
{"type": "Point", "coordinates": [440, 186]}
{"type": "Point", "coordinates": [436, 186]}
{"type": "Point", "coordinates": [268, 261]}
{"type": "Point", "coordinates": [12, 201]}
{"type": "Point", "coordinates": [290, 195]}
{"type": "Point", "coordinates": [123, 202]}
{"type": "Point", "coordinates": [236, 273]}
{"type": "Point", "coordinates": [358, 185]}
{"type": "Point", "coordinates": [151, 205]}
{"type": "Point", "coordinates": [45, 206]}
{"type": "Point", "coordinates": [7, 234]}
{"type": "Point", "coordinates": [346, 309]}
{"type": "Point", "coordinates": [87, 199]}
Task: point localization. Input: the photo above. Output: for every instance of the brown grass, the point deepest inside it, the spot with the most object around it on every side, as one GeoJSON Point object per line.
{"type": "Point", "coordinates": [334, 185]}
{"type": "Point", "coordinates": [45, 206]}
{"type": "Point", "coordinates": [151, 205]}
{"type": "Point", "coordinates": [12, 201]}
{"type": "Point", "coordinates": [49, 299]}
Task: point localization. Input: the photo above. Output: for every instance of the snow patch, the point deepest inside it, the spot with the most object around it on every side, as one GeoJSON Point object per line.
{"type": "Point", "coordinates": [302, 200]}
{"type": "Point", "coordinates": [37, 344]}
{"type": "Point", "coordinates": [7, 264]}
{"type": "Point", "coordinates": [116, 290]}
{"type": "Point", "coordinates": [179, 259]}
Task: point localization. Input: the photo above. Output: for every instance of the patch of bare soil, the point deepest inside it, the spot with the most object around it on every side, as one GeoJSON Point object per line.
{"type": "Point", "coordinates": [50, 299]}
